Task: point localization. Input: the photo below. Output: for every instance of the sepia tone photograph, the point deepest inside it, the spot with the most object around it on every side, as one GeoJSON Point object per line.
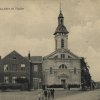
{"type": "Point", "coordinates": [49, 50]}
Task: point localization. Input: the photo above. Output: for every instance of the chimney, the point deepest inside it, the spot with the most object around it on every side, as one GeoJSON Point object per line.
{"type": "Point", "coordinates": [29, 55]}
{"type": "Point", "coordinates": [0, 57]}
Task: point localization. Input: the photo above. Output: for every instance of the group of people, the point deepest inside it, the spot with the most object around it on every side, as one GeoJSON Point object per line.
{"type": "Point", "coordinates": [47, 94]}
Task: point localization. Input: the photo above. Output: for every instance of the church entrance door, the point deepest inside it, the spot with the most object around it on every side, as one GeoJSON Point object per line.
{"type": "Point", "coordinates": [63, 82]}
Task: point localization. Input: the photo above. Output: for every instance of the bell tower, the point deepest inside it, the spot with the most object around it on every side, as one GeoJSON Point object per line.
{"type": "Point", "coordinates": [61, 33]}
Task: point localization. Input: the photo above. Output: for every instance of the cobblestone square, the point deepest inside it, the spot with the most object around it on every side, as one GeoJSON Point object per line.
{"type": "Point", "coordinates": [59, 95]}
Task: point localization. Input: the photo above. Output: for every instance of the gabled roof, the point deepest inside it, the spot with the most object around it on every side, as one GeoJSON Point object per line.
{"type": "Point", "coordinates": [36, 58]}
{"type": "Point", "coordinates": [62, 51]}
{"type": "Point", "coordinates": [12, 55]}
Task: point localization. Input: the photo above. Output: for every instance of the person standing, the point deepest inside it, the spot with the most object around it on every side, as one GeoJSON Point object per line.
{"type": "Point", "coordinates": [49, 94]}
{"type": "Point", "coordinates": [45, 94]}
{"type": "Point", "coordinates": [39, 96]}
{"type": "Point", "coordinates": [53, 93]}
{"type": "Point", "coordinates": [42, 95]}
{"type": "Point", "coordinates": [68, 86]}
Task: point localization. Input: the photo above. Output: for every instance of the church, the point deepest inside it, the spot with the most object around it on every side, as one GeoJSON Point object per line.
{"type": "Point", "coordinates": [61, 67]}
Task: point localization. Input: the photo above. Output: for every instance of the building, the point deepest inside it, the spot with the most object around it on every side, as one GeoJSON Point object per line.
{"type": "Point", "coordinates": [36, 71]}
{"type": "Point", "coordinates": [97, 85]}
{"type": "Point", "coordinates": [14, 66]}
{"type": "Point", "coordinates": [61, 66]}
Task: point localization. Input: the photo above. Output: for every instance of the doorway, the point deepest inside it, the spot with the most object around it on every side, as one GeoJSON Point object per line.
{"type": "Point", "coordinates": [63, 82]}
{"type": "Point", "coordinates": [35, 83]}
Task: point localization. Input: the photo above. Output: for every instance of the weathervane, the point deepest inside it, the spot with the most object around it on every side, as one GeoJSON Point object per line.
{"type": "Point", "coordinates": [60, 5]}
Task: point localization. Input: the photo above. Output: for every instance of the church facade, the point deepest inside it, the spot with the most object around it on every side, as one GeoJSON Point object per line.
{"type": "Point", "coordinates": [61, 67]}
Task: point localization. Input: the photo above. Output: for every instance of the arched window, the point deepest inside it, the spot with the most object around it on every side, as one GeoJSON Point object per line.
{"type": "Point", "coordinates": [63, 66]}
{"type": "Point", "coordinates": [62, 43]}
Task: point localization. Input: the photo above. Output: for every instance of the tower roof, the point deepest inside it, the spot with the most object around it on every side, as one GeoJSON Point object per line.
{"type": "Point", "coordinates": [61, 28]}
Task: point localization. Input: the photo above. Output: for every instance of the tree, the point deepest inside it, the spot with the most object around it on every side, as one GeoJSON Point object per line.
{"type": "Point", "coordinates": [85, 75]}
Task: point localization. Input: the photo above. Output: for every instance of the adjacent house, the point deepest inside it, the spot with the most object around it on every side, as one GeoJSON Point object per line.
{"type": "Point", "coordinates": [14, 66]}
{"type": "Point", "coordinates": [36, 71]}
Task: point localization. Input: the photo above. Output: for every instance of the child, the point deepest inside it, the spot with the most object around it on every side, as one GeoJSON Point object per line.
{"type": "Point", "coordinates": [39, 96]}
{"type": "Point", "coordinates": [42, 95]}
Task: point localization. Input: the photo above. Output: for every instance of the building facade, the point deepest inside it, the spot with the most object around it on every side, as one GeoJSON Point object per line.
{"type": "Point", "coordinates": [36, 72]}
{"type": "Point", "coordinates": [62, 66]}
{"type": "Point", "coordinates": [14, 66]}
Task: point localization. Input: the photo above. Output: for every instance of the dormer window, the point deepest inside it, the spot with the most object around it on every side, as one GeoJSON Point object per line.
{"type": "Point", "coordinates": [14, 57]}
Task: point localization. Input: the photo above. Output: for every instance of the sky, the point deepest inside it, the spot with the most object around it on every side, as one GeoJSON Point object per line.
{"type": "Point", "coordinates": [29, 25]}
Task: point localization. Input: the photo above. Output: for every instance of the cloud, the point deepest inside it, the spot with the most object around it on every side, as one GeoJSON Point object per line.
{"type": "Point", "coordinates": [93, 58]}
{"type": "Point", "coordinates": [84, 40]}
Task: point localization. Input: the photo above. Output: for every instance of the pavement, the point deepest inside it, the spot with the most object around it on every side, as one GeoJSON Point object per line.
{"type": "Point", "coordinates": [59, 95]}
{"type": "Point", "coordinates": [86, 95]}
